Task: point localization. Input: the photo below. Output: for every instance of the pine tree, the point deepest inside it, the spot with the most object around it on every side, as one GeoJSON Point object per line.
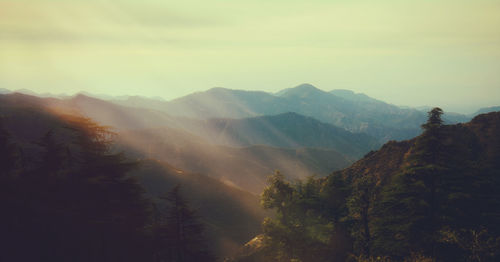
{"type": "Point", "coordinates": [409, 211]}
{"type": "Point", "coordinates": [182, 235]}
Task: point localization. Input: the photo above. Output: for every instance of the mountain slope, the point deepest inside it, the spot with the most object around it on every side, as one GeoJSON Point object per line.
{"type": "Point", "coordinates": [194, 145]}
{"type": "Point", "coordinates": [478, 135]}
{"type": "Point", "coordinates": [246, 167]}
{"type": "Point", "coordinates": [231, 216]}
{"type": "Point", "coordinates": [288, 130]}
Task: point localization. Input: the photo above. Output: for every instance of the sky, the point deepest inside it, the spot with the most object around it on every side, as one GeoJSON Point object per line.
{"type": "Point", "coordinates": [414, 53]}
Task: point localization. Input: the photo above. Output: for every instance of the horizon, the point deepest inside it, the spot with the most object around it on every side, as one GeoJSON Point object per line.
{"type": "Point", "coordinates": [412, 54]}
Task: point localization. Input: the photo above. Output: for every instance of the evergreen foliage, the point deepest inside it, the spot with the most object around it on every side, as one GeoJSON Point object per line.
{"type": "Point", "coordinates": [68, 197]}
{"type": "Point", "coordinates": [305, 228]}
{"type": "Point", "coordinates": [75, 204]}
{"type": "Point", "coordinates": [439, 200]}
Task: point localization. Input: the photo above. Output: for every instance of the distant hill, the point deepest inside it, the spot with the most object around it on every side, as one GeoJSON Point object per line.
{"type": "Point", "coordinates": [487, 110]}
{"type": "Point", "coordinates": [354, 112]}
{"type": "Point", "coordinates": [343, 108]}
{"type": "Point", "coordinates": [287, 130]}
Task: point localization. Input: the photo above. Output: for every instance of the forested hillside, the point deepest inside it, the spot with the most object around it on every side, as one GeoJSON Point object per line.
{"type": "Point", "coordinates": [62, 177]}
{"type": "Point", "coordinates": [432, 198]}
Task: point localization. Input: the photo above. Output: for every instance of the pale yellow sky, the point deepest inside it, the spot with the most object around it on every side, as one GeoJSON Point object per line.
{"type": "Point", "coordinates": [444, 53]}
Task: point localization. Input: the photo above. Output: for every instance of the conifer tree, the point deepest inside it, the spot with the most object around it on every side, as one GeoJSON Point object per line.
{"type": "Point", "coordinates": [409, 211]}
{"type": "Point", "coordinates": [183, 235]}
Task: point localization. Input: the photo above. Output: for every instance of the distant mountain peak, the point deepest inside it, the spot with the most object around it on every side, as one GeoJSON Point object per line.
{"type": "Point", "coordinates": [300, 90]}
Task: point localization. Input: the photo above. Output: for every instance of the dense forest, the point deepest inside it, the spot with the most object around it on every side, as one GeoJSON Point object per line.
{"type": "Point", "coordinates": [433, 198]}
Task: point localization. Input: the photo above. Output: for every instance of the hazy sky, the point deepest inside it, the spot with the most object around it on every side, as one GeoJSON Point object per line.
{"type": "Point", "coordinates": [444, 53]}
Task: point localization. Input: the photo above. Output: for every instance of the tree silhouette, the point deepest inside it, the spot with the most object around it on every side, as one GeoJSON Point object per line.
{"type": "Point", "coordinates": [57, 211]}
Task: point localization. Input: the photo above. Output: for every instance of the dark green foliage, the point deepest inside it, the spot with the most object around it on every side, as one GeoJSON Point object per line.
{"type": "Point", "coordinates": [360, 204]}
{"type": "Point", "coordinates": [439, 189]}
{"type": "Point", "coordinates": [409, 210]}
{"type": "Point", "coordinates": [434, 198]}
{"type": "Point", "coordinates": [305, 228]}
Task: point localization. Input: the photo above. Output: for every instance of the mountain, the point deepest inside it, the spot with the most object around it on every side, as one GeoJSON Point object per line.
{"type": "Point", "coordinates": [287, 130]}
{"type": "Point", "coordinates": [354, 112]}
{"type": "Point", "coordinates": [350, 95]}
{"type": "Point", "coordinates": [343, 108]}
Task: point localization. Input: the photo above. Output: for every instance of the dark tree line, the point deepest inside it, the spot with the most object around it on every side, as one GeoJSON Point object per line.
{"type": "Point", "coordinates": [68, 197]}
